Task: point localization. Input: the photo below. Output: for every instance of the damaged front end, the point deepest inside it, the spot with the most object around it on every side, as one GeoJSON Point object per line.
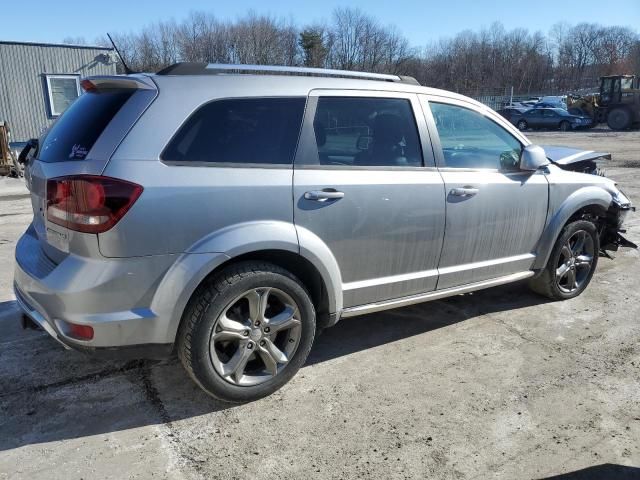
{"type": "Point", "coordinates": [575, 160]}
{"type": "Point", "coordinates": [611, 227]}
{"type": "Point", "coordinates": [592, 162]}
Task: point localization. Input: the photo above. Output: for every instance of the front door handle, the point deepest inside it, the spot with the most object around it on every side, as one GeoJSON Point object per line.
{"type": "Point", "coordinates": [323, 195]}
{"type": "Point", "coordinates": [464, 191]}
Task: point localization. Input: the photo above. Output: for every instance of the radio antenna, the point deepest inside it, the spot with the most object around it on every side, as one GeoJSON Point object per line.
{"type": "Point", "coordinates": [127, 70]}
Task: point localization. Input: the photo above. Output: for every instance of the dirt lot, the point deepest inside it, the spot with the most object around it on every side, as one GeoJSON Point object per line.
{"type": "Point", "coordinates": [495, 384]}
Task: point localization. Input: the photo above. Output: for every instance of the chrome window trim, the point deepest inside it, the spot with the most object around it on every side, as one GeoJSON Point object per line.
{"type": "Point", "coordinates": [197, 164]}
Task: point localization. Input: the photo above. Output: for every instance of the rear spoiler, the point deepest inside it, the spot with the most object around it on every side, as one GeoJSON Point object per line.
{"type": "Point", "coordinates": [119, 82]}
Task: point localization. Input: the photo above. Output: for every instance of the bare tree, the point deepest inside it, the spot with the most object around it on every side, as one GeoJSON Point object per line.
{"type": "Point", "coordinates": [472, 62]}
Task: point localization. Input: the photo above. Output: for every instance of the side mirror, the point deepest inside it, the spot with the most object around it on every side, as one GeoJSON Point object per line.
{"type": "Point", "coordinates": [532, 158]}
{"type": "Point", "coordinates": [31, 145]}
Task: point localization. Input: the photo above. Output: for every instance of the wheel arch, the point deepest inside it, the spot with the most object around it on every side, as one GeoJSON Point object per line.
{"type": "Point", "coordinates": [274, 242]}
{"type": "Point", "coordinates": [585, 201]}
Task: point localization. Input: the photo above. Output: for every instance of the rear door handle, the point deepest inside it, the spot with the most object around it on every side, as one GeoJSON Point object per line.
{"type": "Point", "coordinates": [464, 191]}
{"type": "Point", "coordinates": [323, 195]}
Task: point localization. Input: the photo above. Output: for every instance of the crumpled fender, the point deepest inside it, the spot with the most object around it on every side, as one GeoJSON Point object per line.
{"type": "Point", "coordinates": [583, 197]}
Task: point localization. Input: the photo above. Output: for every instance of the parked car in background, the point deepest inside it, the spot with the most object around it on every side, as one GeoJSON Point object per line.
{"type": "Point", "coordinates": [551, 118]}
{"type": "Point", "coordinates": [579, 112]}
{"type": "Point", "coordinates": [553, 101]}
{"type": "Point", "coordinates": [167, 216]}
{"type": "Point", "coordinates": [512, 112]}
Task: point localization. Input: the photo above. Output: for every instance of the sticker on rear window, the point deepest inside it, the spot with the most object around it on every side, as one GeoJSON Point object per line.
{"type": "Point", "coordinates": [78, 152]}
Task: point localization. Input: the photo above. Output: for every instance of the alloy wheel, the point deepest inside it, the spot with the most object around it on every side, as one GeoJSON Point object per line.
{"type": "Point", "coordinates": [575, 262]}
{"type": "Point", "coordinates": [255, 336]}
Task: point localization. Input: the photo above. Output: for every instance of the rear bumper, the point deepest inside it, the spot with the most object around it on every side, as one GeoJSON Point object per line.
{"type": "Point", "coordinates": [113, 296]}
{"type": "Point", "coordinates": [128, 352]}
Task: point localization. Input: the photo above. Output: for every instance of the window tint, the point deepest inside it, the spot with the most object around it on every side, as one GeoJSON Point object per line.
{"type": "Point", "coordinates": [74, 133]}
{"type": "Point", "coordinates": [366, 132]}
{"type": "Point", "coordinates": [470, 140]}
{"type": "Point", "coordinates": [247, 130]}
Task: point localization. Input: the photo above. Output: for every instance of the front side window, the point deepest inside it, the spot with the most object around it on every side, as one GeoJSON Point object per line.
{"type": "Point", "coordinates": [361, 132]}
{"type": "Point", "coordinates": [62, 90]}
{"type": "Point", "coordinates": [471, 140]}
{"type": "Point", "coordinates": [240, 131]}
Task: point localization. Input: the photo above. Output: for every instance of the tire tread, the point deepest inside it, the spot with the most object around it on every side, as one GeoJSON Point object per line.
{"type": "Point", "coordinates": [205, 295]}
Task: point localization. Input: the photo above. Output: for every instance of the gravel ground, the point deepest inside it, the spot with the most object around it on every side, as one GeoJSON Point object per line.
{"type": "Point", "coordinates": [494, 384]}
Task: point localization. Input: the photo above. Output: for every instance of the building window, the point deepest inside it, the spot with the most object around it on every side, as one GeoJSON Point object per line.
{"type": "Point", "coordinates": [62, 90]}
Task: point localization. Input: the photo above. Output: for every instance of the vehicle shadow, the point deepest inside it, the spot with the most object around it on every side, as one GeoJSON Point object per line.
{"type": "Point", "coordinates": [49, 394]}
{"type": "Point", "coordinates": [606, 471]}
{"type": "Point", "coordinates": [359, 333]}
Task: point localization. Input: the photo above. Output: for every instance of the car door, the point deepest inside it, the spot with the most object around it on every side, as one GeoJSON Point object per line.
{"type": "Point", "coordinates": [495, 213]}
{"type": "Point", "coordinates": [550, 119]}
{"type": "Point", "coordinates": [365, 185]}
{"type": "Point", "coordinates": [534, 118]}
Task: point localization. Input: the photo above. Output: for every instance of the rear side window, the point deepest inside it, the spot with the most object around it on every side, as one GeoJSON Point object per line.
{"type": "Point", "coordinates": [74, 133]}
{"type": "Point", "coordinates": [366, 132]}
{"type": "Point", "coordinates": [240, 131]}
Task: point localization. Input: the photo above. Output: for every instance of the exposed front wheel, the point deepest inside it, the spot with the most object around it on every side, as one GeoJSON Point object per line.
{"type": "Point", "coordinates": [572, 262]}
{"type": "Point", "coordinates": [247, 331]}
{"type": "Point", "coordinates": [522, 125]}
{"type": "Point", "coordinates": [565, 126]}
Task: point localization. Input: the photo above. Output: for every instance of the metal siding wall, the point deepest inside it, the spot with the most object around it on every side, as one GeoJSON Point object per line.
{"type": "Point", "coordinates": [23, 95]}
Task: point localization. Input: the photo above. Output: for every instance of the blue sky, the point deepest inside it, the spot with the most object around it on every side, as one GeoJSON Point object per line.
{"type": "Point", "coordinates": [421, 21]}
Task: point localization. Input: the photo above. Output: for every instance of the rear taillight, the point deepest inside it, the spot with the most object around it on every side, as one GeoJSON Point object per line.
{"type": "Point", "coordinates": [88, 86]}
{"type": "Point", "coordinates": [88, 203]}
{"type": "Point", "coordinates": [81, 332]}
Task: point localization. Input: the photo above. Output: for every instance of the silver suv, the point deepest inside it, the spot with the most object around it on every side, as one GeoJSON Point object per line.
{"type": "Point", "coordinates": [231, 212]}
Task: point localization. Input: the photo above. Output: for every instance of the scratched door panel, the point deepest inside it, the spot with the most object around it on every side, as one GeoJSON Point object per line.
{"type": "Point", "coordinates": [493, 232]}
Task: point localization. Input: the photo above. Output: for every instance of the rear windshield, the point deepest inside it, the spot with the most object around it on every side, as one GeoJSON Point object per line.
{"type": "Point", "coordinates": [74, 133]}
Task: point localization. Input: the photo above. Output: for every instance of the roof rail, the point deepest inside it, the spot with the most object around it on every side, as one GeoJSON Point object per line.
{"type": "Point", "coordinates": [190, 68]}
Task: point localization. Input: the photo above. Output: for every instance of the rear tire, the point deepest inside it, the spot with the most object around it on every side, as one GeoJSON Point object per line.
{"type": "Point", "coordinates": [246, 331]}
{"type": "Point", "coordinates": [619, 119]}
{"type": "Point", "coordinates": [572, 262]}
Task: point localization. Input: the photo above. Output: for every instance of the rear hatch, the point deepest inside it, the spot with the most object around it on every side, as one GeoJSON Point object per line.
{"type": "Point", "coordinates": [81, 142]}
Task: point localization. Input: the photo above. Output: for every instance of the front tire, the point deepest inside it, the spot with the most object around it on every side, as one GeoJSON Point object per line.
{"type": "Point", "coordinates": [565, 126]}
{"type": "Point", "coordinates": [619, 119]}
{"type": "Point", "coordinates": [247, 331]}
{"type": "Point", "coordinates": [572, 262]}
{"type": "Point", "coordinates": [522, 125]}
